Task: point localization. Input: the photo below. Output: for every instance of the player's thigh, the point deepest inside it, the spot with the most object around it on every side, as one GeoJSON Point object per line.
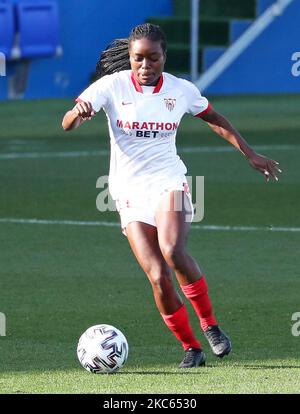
{"type": "Point", "coordinates": [143, 241]}
{"type": "Point", "coordinates": [172, 220]}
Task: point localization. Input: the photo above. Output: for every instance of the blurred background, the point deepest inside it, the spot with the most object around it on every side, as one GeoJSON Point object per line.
{"type": "Point", "coordinates": [66, 266]}
{"type": "Point", "coordinates": [52, 46]}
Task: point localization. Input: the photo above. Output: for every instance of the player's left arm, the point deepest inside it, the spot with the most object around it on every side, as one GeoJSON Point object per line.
{"type": "Point", "coordinates": [221, 126]}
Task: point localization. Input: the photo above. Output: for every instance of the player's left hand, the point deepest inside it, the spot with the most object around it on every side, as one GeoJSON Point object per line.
{"type": "Point", "coordinates": [268, 167]}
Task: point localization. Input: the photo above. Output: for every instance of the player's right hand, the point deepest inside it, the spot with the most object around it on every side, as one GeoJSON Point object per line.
{"type": "Point", "coordinates": [84, 110]}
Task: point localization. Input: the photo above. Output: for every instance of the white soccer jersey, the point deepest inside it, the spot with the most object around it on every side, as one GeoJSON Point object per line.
{"type": "Point", "coordinates": [143, 127]}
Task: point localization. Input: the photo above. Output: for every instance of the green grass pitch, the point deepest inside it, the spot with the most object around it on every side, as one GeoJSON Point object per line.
{"type": "Point", "coordinates": [56, 280]}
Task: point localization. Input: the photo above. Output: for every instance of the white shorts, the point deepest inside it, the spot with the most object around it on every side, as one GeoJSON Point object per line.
{"type": "Point", "coordinates": [144, 207]}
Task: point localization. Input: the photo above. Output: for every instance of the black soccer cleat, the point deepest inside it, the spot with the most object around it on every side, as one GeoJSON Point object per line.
{"type": "Point", "coordinates": [219, 342]}
{"type": "Point", "coordinates": [193, 358]}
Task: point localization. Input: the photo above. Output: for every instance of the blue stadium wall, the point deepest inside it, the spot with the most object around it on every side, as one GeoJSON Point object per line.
{"type": "Point", "coordinates": [266, 66]}
{"type": "Point", "coordinates": [86, 29]}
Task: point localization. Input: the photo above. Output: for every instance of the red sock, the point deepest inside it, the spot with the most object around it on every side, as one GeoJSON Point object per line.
{"type": "Point", "coordinates": [197, 293]}
{"type": "Point", "coordinates": [179, 324]}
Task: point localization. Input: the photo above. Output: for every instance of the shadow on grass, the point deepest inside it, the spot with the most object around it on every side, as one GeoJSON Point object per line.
{"type": "Point", "coordinates": [270, 366]}
{"type": "Point", "coordinates": [202, 370]}
{"type": "Point", "coordinates": [188, 371]}
{"type": "Point", "coordinates": [193, 371]}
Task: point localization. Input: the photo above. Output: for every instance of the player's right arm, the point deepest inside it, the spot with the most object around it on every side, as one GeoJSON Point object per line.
{"type": "Point", "coordinates": [78, 115]}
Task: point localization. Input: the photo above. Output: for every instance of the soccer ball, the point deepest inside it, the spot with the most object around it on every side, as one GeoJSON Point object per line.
{"type": "Point", "coordinates": [102, 349]}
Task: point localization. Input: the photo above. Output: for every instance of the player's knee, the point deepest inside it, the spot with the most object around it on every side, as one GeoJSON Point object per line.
{"type": "Point", "coordinates": [160, 279]}
{"type": "Point", "coordinates": [173, 254]}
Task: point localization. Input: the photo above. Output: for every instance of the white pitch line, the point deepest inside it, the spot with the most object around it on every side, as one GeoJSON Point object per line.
{"type": "Point", "coordinates": [61, 222]}
{"type": "Point", "coordinates": [62, 154]}
{"type": "Point", "coordinates": [232, 149]}
{"type": "Point", "coordinates": [115, 224]}
{"type": "Point", "coordinates": [185, 150]}
{"type": "Point", "coordinates": [245, 228]}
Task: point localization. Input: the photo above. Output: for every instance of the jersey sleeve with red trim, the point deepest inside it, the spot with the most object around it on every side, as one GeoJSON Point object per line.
{"type": "Point", "coordinates": [97, 94]}
{"type": "Point", "coordinates": [196, 103]}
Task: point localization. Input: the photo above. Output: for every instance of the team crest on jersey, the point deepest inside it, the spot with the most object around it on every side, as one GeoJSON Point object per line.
{"type": "Point", "coordinates": [170, 103]}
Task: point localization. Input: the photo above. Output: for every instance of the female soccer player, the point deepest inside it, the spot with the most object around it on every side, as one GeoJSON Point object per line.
{"type": "Point", "coordinates": [144, 106]}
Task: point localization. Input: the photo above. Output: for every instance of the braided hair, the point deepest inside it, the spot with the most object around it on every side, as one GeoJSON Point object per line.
{"type": "Point", "coordinates": [149, 31]}
{"type": "Point", "coordinates": [116, 56]}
